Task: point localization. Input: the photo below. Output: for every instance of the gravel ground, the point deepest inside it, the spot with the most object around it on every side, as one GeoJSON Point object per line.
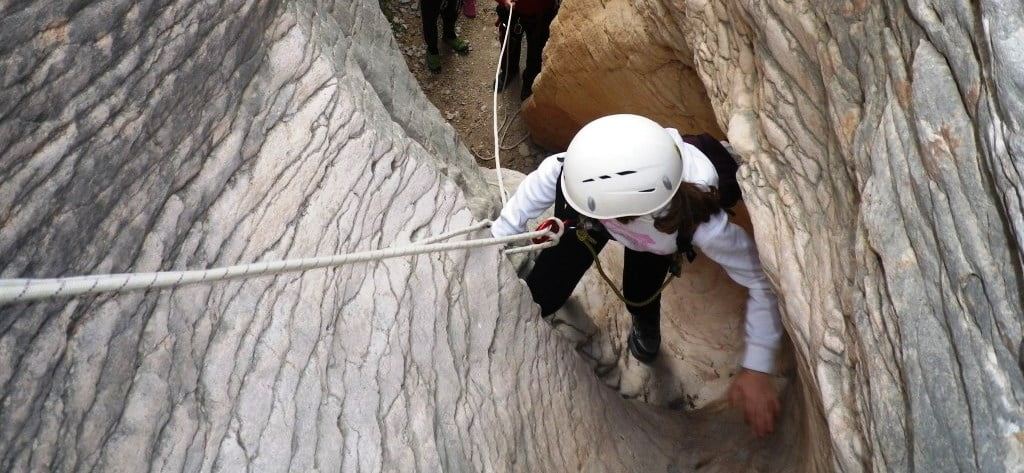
{"type": "Point", "coordinates": [462, 90]}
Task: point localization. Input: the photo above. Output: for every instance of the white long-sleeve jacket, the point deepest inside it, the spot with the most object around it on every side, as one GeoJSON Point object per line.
{"type": "Point", "coordinates": [725, 243]}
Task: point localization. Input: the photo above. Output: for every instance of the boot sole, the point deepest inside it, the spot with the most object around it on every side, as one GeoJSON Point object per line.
{"type": "Point", "coordinates": [641, 356]}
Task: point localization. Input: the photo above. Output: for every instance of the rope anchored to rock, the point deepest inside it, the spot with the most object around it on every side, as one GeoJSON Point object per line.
{"type": "Point", "coordinates": [27, 290]}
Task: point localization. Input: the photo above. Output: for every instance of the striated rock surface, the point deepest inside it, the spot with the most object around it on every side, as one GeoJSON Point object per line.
{"type": "Point", "coordinates": [882, 171]}
{"type": "Point", "coordinates": [144, 136]}
{"type": "Point", "coordinates": [883, 158]}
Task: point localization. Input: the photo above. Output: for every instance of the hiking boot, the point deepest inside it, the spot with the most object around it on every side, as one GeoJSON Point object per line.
{"type": "Point", "coordinates": [504, 79]}
{"type": "Point", "coordinates": [527, 89]}
{"type": "Point", "coordinates": [434, 62]}
{"type": "Point", "coordinates": [525, 93]}
{"type": "Point", "coordinates": [469, 8]}
{"type": "Point", "coordinates": [643, 344]}
{"type": "Point", "coordinates": [457, 44]}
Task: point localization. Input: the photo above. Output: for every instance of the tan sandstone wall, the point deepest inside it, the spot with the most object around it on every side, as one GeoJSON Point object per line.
{"type": "Point", "coordinates": [603, 58]}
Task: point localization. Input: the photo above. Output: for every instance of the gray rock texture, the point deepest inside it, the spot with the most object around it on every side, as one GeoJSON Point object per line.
{"type": "Point", "coordinates": [882, 153]}
{"type": "Point", "coordinates": [883, 170]}
{"type": "Point", "coordinates": [145, 136]}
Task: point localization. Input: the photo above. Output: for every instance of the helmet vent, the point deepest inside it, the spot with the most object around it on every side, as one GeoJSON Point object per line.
{"type": "Point", "coordinates": [605, 177]}
{"type": "Point", "coordinates": [666, 182]}
{"type": "Point", "coordinates": [589, 180]}
{"type": "Point", "coordinates": [626, 173]}
{"type": "Point", "coordinates": [647, 190]}
{"type": "Point", "coordinates": [591, 204]}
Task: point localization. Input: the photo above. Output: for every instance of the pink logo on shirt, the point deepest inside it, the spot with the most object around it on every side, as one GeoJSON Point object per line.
{"type": "Point", "coordinates": [637, 241]}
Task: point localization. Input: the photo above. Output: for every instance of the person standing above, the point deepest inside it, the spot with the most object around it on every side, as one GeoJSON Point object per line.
{"type": "Point", "coordinates": [627, 179]}
{"type": "Point", "coordinates": [531, 18]}
{"type": "Point", "coordinates": [448, 10]}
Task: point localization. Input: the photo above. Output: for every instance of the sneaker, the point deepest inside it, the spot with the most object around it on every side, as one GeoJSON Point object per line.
{"type": "Point", "coordinates": [505, 79]}
{"type": "Point", "coordinates": [457, 44]}
{"type": "Point", "coordinates": [469, 8]}
{"type": "Point", "coordinates": [434, 62]}
{"type": "Point", "coordinates": [643, 345]}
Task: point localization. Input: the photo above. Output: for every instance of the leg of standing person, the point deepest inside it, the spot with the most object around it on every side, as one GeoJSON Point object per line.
{"type": "Point", "coordinates": [559, 269]}
{"type": "Point", "coordinates": [449, 15]}
{"type": "Point", "coordinates": [510, 61]}
{"type": "Point", "coordinates": [642, 276]}
{"type": "Point", "coordinates": [429, 10]}
{"type": "Point", "coordinates": [537, 33]}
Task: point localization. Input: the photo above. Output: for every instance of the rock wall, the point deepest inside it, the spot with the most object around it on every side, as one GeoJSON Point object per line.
{"type": "Point", "coordinates": [883, 157]}
{"type": "Point", "coordinates": [610, 57]}
{"type": "Point", "coordinates": [146, 136]}
{"type": "Point", "coordinates": [882, 161]}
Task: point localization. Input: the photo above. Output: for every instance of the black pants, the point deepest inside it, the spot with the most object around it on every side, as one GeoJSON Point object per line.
{"type": "Point", "coordinates": [536, 28]}
{"type": "Point", "coordinates": [558, 269]}
{"type": "Point", "coordinates": [429, 11]}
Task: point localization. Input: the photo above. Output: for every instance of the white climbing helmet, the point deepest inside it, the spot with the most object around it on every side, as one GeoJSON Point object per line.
{"type": "Point", "coordinates": [621, 165]}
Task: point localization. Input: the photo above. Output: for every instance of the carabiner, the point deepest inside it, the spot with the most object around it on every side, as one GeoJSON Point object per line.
{"type": "Point", "coordinates": [548, 223]}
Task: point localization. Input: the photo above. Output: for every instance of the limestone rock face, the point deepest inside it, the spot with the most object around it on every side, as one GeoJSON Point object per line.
{"type": "Point", "coordinates": [144, 136]}
{"type": "Point", "coordinates": [883, 156]}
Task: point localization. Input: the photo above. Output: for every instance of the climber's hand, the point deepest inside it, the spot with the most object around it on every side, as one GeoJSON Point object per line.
{"type": "Point", "coordinates": [755, 393]}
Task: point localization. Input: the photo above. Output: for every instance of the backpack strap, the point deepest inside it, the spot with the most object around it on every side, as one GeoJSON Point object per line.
{"type": "Point", "coordinates": [729, 192]}
{"type": "Point", "coordinates": [684, 249]}
{"type": "Point", "coordinates": [728, 189]}
{"type": "Point", "coordinates": [563, 210]}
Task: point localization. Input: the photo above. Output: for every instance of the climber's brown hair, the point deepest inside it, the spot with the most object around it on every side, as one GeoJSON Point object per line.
{"type": "Point", "coordinates": [689, 207]}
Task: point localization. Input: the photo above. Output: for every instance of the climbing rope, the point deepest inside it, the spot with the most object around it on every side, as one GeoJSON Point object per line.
{"type": "Point", "coordinates": [27, 290]}
{"type": "Point", "coordinates": [585, 238]}
{"type": "Point", "coordinates": [506, 127]}
{"type": "Point", "coordinates": [503, 130]}
{"type": "Point", "coordinates": [494, 114]}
